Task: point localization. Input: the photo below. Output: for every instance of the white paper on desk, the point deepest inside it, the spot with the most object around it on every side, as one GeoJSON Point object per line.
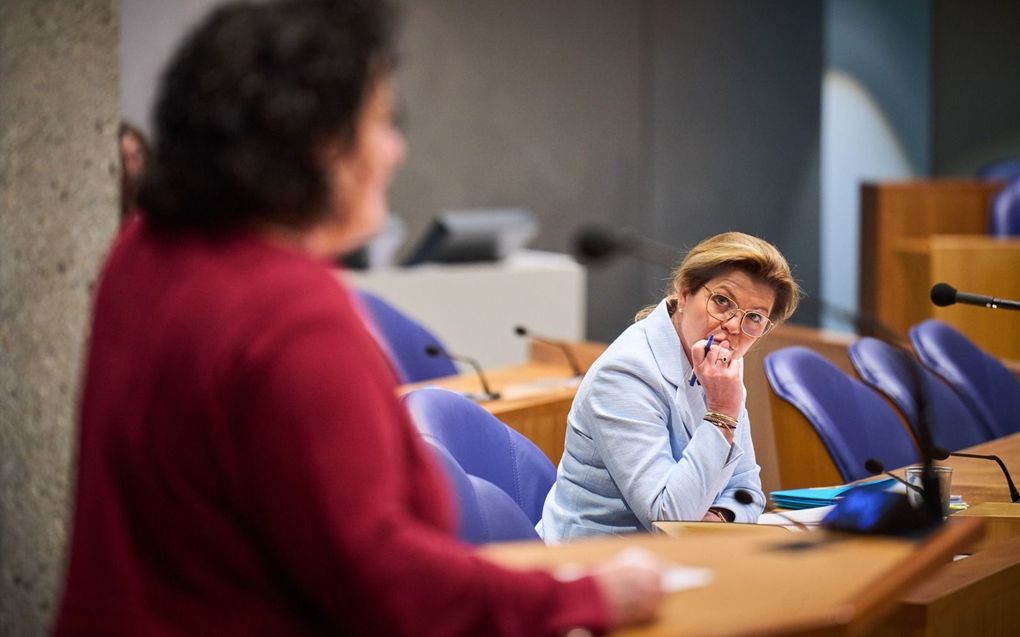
{"type": "Point", "coordinates": [674, 576]}
{"type": "Point", "coordinates": [680, 578]}
{"type": "Point", "coordinates": [807, 517]}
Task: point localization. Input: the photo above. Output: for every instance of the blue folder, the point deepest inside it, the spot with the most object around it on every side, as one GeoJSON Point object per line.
{"type": "Point", "coordinates": [821, 496]}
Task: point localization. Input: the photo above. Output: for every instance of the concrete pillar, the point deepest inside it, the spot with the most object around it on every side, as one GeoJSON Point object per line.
{"type": "Point", "coordinates": [59, 69]}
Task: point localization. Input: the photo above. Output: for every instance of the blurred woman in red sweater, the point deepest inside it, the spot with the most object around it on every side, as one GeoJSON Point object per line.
{"type": "Point", "coordinates": [244, 466]}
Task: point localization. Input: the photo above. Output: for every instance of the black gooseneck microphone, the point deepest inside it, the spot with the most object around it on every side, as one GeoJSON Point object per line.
{"type": "Point", "coordinates": [875, 467]}
{"type": "Point", "coordinates": [568, 352]}
{"type": "Point", "coordinates": [943, 294]}
{"type": "Point", "coordinates": [593, 244]}
{"type": "Point", "coordinates": [742, 496]}
{"type": "Point", "coordinates": [488, 394]}
{"type": "Point", "coordinates": [940, 453]}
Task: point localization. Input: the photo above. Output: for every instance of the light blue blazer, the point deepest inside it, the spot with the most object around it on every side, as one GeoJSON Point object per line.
{"type": "Point", "coordinates": [637, 449]}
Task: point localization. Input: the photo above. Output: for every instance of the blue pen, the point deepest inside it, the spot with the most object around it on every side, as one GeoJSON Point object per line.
{"type": "Point", "coordinates": [708, 346]}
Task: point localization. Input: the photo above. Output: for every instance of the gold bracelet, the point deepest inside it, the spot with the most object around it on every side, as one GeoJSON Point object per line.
{"type": "Point", "coordinates": [723, 417]}
{"type": "Point", "coordinates": [721, 425]}
{"type": "Point", "coordinates": [721, 420]}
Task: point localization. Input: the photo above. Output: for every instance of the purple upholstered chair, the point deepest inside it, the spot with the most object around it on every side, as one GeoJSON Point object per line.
{"type": "Point", "coordinates": [484, 446]}
{"type": "Point", "coordinates": [852, 421]}
{"type": "Point", "coordinates": [984, 384]}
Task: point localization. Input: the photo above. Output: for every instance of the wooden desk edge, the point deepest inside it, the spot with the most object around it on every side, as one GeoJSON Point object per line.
{"type": "Point", "coordinates": [879, 599]}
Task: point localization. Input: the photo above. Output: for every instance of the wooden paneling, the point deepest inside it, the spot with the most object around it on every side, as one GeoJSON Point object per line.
{"type": "Point", "coordinates": [981, 265]}
{"type": "Point", "coordinates": [916, 234]}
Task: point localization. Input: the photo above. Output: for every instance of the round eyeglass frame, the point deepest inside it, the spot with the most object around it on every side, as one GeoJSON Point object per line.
{"type": "Point", "coordinates": [736, 310]}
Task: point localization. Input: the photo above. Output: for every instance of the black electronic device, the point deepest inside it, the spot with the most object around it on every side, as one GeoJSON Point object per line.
{"type": "Point", "coordinates": [461, 236]}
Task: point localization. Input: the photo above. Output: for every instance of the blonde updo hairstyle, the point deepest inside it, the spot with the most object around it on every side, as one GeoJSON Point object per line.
{"type": "Point", "coordinates": [717, 255]}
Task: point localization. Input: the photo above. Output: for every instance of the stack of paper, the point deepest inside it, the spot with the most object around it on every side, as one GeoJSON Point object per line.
{"type": "Point", "coordinates": [821, 496]}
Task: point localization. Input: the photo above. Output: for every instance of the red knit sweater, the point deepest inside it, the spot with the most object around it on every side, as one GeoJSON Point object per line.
{"type": "Point", "coordinates": [245, 468]}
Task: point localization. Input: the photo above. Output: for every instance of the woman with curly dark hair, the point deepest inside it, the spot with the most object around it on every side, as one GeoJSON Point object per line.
{"type": "Point", "coordinates": [244, 465]}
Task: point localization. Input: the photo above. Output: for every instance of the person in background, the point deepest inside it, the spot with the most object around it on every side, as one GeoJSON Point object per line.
{"type": "Point", "coordinates": [658, 429]}
{"type": "Point", "coordinates": [244, 465]}
{"type": "Point", "coordinates": [134, 157]}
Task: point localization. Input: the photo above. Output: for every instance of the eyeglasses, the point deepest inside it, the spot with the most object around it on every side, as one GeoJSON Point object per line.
{"type": "Point", "coordinates": [723, 308]}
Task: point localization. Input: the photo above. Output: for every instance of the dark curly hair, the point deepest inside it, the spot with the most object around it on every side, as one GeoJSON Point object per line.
{"type": "Point", "coordinates": [248, 104]}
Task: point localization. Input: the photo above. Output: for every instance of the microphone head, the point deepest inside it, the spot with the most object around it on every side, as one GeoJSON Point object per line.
{"type": "Point", "coordinates": [742, 497]}
{"type": "Point", "coordinates": [939, 453]}
{"type": "Point", "coordinates": [943, 294]}
{"type": "Point", "coordinates": [432, 350]}
{"type": "Point", "coordinates": [520, 331]}
{"type": "Point", "coordinates": [874, 466]}
{"type": "Point", "coordinates": [593, 244]}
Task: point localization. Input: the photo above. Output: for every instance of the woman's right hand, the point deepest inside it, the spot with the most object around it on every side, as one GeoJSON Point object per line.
{"type": "Point", "coordinates": [631, 584]}
{"type": "Point", "coordinates": [721, 376]}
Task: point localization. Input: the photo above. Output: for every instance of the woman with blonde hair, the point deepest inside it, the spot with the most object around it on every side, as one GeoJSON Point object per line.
{"type": "Point", "coordinates": [659, 429]}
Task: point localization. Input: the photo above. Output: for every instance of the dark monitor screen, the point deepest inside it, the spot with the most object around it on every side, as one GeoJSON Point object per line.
{"type": "Point", "coordinates": [459, 236]}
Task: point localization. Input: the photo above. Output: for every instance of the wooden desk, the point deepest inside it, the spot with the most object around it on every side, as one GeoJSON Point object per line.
{"type": "Point", "coordinates": [979, 595]}
{"type": "Point", "coordinates": [536, 398]}
{"type": "Point", "coordinates": [763, 585]}
{"type": "Point", "coordinates": [983, 487]}
{"type": "Point", "coordinates": [981, 481]}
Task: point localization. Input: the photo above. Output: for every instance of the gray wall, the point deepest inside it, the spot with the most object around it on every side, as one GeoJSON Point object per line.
{"type": "Point", "coordinates": [531, 103]}
{"type": "Point", "coordinates": [734, 127]}
{"type": "Point", "coordinates": [149, 31]}
{"type": "Point", "coordinates": [679, 119]}
{"type": "Point", "coordinates": [58, 209]}
{"type": "Point", "coordinates": [975, 84]}
{"type": "Point", "coordinates": [876, 122]}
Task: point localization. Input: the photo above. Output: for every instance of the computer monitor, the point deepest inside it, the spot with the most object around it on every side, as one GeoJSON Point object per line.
{"type": "Point", "coordinates": [488, 234]}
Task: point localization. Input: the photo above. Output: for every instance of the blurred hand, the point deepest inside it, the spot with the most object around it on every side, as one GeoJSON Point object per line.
{"type": "Point", "coordinates": [631, 583]}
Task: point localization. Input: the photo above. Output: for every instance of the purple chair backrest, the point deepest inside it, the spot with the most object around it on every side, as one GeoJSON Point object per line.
{"type": "Point", "coordinates": [405, 340]}
{"type": "Point", "coordinates": [484, 512]}
{"type": "Point", "coordinates": [484, 446]}
{"type": "Point", "coordinates": [1004, 220]}
{"type": "Point", "coordinates": [983, 383]}
{"type": "Point", "coordinates": [888, 370]}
